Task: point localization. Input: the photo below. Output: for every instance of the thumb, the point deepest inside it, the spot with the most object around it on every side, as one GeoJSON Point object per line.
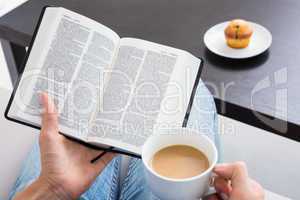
{"type": "Point", "coordinates": [236, 173]}
{"type": "Point", "coordinates": [49, 115]}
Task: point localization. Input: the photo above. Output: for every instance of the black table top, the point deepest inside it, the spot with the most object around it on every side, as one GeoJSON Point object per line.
{"type": "Point", "coordinates": [267, 84]}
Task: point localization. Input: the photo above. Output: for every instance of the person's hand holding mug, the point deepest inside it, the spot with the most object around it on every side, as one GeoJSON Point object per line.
{"type": "Point", "coordinates": [232, 183]}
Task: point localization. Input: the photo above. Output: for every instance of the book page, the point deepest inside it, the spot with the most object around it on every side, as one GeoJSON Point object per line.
{"type": "Point", "coordinates": [150, 88]}
{"type": "Point", "coordinates": [67, 61]}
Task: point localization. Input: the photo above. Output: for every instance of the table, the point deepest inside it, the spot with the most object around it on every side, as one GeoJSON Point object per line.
{"type": "Point", "coordinates": [261, 91]}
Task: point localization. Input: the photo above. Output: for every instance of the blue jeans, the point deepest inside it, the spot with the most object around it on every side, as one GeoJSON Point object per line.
{"type": "Point", "coordinates": [202, 117]}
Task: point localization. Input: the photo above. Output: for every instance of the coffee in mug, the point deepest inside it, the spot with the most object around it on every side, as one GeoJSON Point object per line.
{"type": "Point", "coordinates": [179, 162]}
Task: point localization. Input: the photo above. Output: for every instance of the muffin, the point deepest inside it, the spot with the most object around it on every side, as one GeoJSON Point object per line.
{"type": "Point", "coordinates": [238, 33]}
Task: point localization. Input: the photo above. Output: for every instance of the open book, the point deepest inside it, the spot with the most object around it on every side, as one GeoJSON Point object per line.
{"type": "Point", "coordinates": [109, 91]}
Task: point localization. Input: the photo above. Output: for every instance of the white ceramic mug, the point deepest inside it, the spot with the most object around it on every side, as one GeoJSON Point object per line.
{"type": "Point", "coordinates": [189, 188]}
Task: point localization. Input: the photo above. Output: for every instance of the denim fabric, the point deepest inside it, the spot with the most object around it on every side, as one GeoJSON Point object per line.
{"type": "Point", "coordinates": [202, 117]}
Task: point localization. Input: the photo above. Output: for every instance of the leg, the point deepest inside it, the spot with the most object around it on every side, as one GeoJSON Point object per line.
{"type": "Point", "coordinates": [134, 187]}
{"type": "Point", "coordinates": [203, 117]}
{"type": "Point", "coordinates": [30, 171]}
{"type": "Point", "coordinates": [105, 186]}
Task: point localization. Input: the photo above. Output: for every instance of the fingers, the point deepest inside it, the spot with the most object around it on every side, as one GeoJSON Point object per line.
{"type": "Point", "coordinates": [236, 173]}
{"type": "Point", "coordinates": [258, 190]}
{"type": "Point", "coordinates": [222, 186]}
{"type": "Point", "coordinates": [49, 115]}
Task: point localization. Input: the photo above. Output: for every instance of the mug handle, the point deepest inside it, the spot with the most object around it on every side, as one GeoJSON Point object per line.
{"type": "Point", "coordinates": [211, 189]}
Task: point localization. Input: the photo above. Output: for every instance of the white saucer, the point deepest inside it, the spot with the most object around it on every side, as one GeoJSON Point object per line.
{"type": "Point", "coordinates": [214, 40]}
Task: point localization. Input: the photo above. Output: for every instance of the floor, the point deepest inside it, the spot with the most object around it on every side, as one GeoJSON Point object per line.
{"type": "Point", "coordinates": [272, 160]}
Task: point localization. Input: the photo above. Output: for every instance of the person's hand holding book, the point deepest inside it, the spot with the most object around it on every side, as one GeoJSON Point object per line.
{"type": "Point", "coordinates": [66, 168]}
